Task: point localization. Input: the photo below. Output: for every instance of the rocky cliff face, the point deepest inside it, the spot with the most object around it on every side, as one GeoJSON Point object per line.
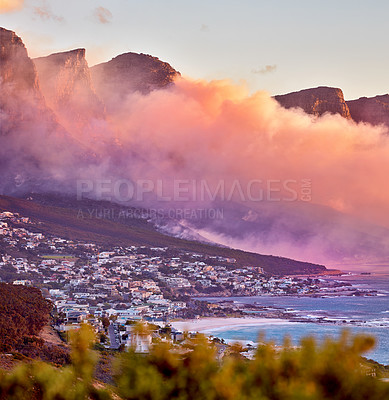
{"type": "Point", "coordinates": [317, 101]}
{"type": "Point", "coordinates": [33, 145]}
{"type": "Point", "coordinates": [321, 100]}
{"type": "Point", "coordinates": [19, 87]}
{"type": "Point", "coordinates": [17, 69]}
{"type": "Point", "coordinates": [67, 86]}
{"type": "Point", "coordinates": [374, 110]}
{"type": "Point", "coordinates": [131, 72]}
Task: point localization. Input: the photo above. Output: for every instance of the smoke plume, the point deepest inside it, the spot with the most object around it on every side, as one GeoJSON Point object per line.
{"type": "Point", "coordinates": [216, 131]}
{"type": "Point", "coordinates": [255, 159]}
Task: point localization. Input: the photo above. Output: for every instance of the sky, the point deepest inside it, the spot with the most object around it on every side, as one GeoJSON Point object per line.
{"type": "Point", "coordinates": [278, 46]}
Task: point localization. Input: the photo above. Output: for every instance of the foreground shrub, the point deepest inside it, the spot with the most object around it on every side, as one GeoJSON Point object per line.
{"type": "Point", "coordinates": [197, 370]}
{"type": "Point", "coordinates": [38, 380]}
{"type": "Point", "coordinates": [332, 370]}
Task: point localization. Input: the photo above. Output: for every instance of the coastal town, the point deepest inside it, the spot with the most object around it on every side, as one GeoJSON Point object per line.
{"type": "Point", "coordinates": [112, 288]}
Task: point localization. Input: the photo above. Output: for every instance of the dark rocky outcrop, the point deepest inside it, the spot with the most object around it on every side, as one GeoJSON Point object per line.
{"type": "Point", "coordinates": [131, 72]}
{"type": "Point", "coordinates": [321, 100]}
{"type": "Point", "coordinates": [316, 101]}
{"type": "Point", "coordinates": [374, 110]}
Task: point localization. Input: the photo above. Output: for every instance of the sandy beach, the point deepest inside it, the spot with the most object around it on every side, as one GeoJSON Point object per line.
{"type": "Point", "coordinates": [212, 324]}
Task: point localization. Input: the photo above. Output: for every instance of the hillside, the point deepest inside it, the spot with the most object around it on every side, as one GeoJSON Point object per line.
{"type": "Point", "coordinates": [23, 313]}
{"type": "Point", "coordinates": [65, 217]}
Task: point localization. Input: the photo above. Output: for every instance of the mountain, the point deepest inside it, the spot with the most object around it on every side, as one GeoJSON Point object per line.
{"type": "Point", "coordinates": [374, 110]}
{"type": "Point", "coordinates": [131, 72]}
{"type": "Point", "coordinates": [16, 67]}
{"type": "Point", "coordinates": [65, 126]}
{"type": "Point", "coordinates": [316, 101]}
{"type": "Point", "coordinates": [321, 100]}
{"type": "Point", "coordinates": [84, 220]}
{"type": "Point", "coordinates": [18, 80]}
{"type": "Point", "coordinates": [34, 146]}
{"type": "Point", "coordinates": [66, 84]}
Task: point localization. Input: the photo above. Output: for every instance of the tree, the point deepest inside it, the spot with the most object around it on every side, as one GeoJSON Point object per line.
{"type": "Point", "coordinates": [105, 322]}
{"type": "Point", "coordinates": [103, 338]}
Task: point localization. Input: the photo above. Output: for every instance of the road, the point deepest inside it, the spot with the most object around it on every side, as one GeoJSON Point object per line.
{"type": "Point", "coordinates": [113, 337]}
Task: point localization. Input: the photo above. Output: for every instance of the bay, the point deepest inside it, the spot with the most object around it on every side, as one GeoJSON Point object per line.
{"type": "Point", "coordinates": [360, 315]}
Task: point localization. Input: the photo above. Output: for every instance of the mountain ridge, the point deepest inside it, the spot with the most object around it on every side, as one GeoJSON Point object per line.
{"type": "Point", "coordinates": [317, 101]}
{"type": "Point", "coordinates": [67, 217]}
{"type": "Point", "coordinates": [112, 81]}
{"type": "Point", "coordinates": [329, 100]}
{"type": "Point", "coordinates": [67, 86]}
{"type": "Point", "coordinates": [129, 73]}
{"type": "Point", "coordinates": [28, 125]}
{"type": "Point", "coordinates": [373, 110]}
{"type": "Point", "coordinates": [55, 140]}
{"type": "Point", "coordinates": [22, 73]}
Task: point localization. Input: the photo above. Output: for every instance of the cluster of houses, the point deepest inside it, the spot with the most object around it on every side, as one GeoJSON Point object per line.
{"type": "Point", "coordinates": [87, 282]}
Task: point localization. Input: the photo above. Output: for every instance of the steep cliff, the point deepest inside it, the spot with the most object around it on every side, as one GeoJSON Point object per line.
{"type": "Point", "coordinates": [67, 86]}
{"type": "Point", "coordinates": [33, 145]}
{"type": "Point", "coordinates": [317, 101]}
{"type": "Point", "coordinates": [19, 87]}
{"type": "Point", "coordinates": [131, 72]}
{"type": "Point", "coordinates": [17, 69]}
{"type": "Point", "coordinates": [374, 110]}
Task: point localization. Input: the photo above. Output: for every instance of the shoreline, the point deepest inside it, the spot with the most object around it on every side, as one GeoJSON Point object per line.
{"type": "Point", "coordinates": [216, 326]}
{"type": "Point", "coordinates": [214, 323]}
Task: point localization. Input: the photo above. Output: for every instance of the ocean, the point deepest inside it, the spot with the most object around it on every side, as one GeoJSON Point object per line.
{"type": "Point", "coordinates": [367, 315]}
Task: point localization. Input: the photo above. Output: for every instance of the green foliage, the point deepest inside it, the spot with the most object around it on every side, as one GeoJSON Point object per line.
{"type": "Point", "coordinates": [332, 370]}
{"type": "Point", "coordinates": [39, 380]}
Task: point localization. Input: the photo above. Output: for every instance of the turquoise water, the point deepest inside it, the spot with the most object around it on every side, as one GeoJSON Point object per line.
{"type": "Point", "coordinates": [297, 330]}
{"type": "Point", "coordinates": [367, 315]}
